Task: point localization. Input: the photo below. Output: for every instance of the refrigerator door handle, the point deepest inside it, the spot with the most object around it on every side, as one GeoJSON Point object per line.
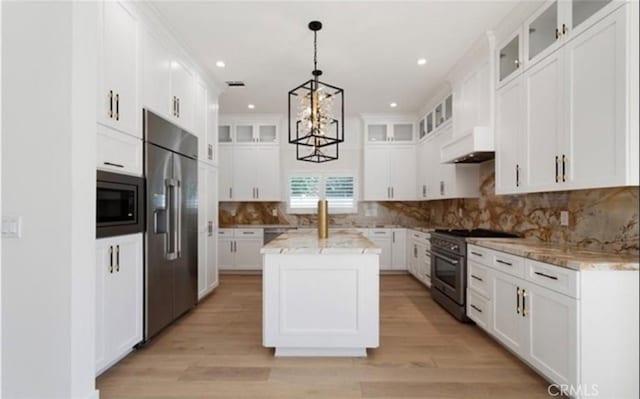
{"type": "Point", "coordinates": [179, 216]}
{"type": "Point", "coordinates": [172, 219]}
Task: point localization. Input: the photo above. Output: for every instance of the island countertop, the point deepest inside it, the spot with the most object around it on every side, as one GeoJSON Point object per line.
{"type": "Point", "coordinates": [339, 242]}
{"type": "Point", "coordinates": [563, 256]}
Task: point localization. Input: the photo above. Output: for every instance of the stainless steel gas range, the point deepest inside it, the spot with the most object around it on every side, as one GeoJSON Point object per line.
{"type": "Point", "coordinates": [449, 267]}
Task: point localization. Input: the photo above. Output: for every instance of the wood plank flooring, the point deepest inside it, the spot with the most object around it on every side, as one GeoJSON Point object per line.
{"type": "Point", "coordinates": [216, 352]}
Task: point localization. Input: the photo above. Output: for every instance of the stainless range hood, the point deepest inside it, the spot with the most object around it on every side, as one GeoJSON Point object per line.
{"type": "Point", "coordinates": [474, 146]}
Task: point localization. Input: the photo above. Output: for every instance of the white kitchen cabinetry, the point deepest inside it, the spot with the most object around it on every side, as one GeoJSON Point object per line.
{"type": "Point", "coordinates": [544, 314]}
{"type": "Point", "coordinates": [117, 68]}
{"type": "Point", "coordinates": [579, 113]}
{"type": "Point", "coordinates": [256, 173]}
{"type": "Point", "coordinates": [424, 151]}
{"type": "Point", "coordinates": [389, 173]}
{"type": "Point", "coordinates": [119, 287]}
{"type": "Point", "coordinates": [380, 132]}
{"type": "Point", "coordinates": [117, 152]}
{"type": "Point", "coordinates": [509, 58]}
{"type": "Point", "coordinates": [225, 181]}
{"type": "Point", "coordinates": [155, 74]}
{"type": "Point", "coordinates": [207, 229]}
{"type": "Point", "coordinates": [239, 249]}
{"type": "Point", "coordinates": [510, 141]}
{"type": "Point", "coordinates": [382, 238]}
{"type": "Point", "coordinates": [419, 256]}
{"type": "Point", "coordinates": [399, 249]}
{"type": "Point", "coordinates": [182, 94]}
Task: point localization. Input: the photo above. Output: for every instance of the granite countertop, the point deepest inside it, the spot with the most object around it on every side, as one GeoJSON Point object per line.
{"type": "Point", "coordinates": [339, 242]}
{"type": "Point", "coordinates": [563, 256]}
{"type": "Point", "coordinates": [290, 226]}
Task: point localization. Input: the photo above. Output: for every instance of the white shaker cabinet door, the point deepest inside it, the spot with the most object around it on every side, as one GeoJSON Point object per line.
{"type": "Point", "coordinates": [551, 336]}
{"type": "Point", "coordinates": [509, 138]}
{"type": "Point", "coordinates": [245, 172]}
{"type": "Point", "coordinates": [376, 174]}
{"type": "Point", "coordinates": [155, 75]}
{"type": "Point", "coordinates": [402, 173]}
{"type": "Point", "coordinates": [508, 322]}
{"type": "Point", "coordinates": [268, 173]}
{"type": "Point", "coordinates": [225, 179]}
{"type": "Point", "coordinates": [247, 255]}
{"type": "Point", "coordinates": [596, 128]}
{"type": "Point", "coordinates": [226, 254]}
{"type": "Point", "coordinates": [183, 89]}
{"type": "Point", "coordinates": [118, 102]}
{"type": "Point", "coordinates": [543, 123]}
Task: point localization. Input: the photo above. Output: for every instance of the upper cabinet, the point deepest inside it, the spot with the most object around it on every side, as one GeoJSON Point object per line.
{"type": "Point", "coordinates": [117, 94]}
{"type": "Point", "coordinates": [438, 116]}
{"type": "Point", "coordinates": [182, 94]}
{"type": "Point", "coordinates": [380, 129]}
{"type": "Point", "coordinates": [558, 21]}
{"type": "Point", "coordinates": [509, 58]}
{"type": "Point", "coordinates": [247, 131]}
{"type": "Point", "coordinates": [570, 121]}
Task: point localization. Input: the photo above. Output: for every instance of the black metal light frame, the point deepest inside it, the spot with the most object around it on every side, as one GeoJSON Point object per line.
{"type": "Point", "coordinates": [320, 143]}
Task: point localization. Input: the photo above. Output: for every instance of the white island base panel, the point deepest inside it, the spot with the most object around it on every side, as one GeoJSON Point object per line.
{"type": "Point", "coordinates": [321, 304]}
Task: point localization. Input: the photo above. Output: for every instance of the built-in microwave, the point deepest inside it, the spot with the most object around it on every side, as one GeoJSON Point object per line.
{"type": "Point", "coordinates": [119, 204]}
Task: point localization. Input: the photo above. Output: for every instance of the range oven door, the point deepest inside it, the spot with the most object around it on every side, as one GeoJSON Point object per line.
{"type": "Point", "coordinates": [447, 274]}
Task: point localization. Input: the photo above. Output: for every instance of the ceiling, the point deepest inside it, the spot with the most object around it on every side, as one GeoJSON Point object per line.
{"type": "Point", "coordinates": [368, 48]}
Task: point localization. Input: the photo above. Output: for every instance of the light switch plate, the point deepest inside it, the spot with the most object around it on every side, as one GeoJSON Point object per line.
{"type": "Point", "coordinates": [11, 226]}
{"type": "Point", "coordinates": [274, 212]}
{"type": "Point", "coordinates": [564, 218]}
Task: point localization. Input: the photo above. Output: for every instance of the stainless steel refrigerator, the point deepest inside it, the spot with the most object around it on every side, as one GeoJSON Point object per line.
{"type": "Point", "coordinates": [171, 241]}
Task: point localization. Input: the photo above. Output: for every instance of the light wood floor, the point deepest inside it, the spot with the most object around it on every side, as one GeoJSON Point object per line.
{"type": "Point", "coordinates": [215, 352]}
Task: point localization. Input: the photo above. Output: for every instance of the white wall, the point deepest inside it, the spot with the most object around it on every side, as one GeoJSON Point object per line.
{"type": "Point", "coordinates": [48, 179]}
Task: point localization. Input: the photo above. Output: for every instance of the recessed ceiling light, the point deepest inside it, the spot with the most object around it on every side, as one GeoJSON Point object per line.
{"type": "Point", "coordinates": [220, 64]}
{"type": "Point", "coordinates": [422, 61]}
{"type": "Point", "coordinates": [251, 106]}
{"type": "Point", "coordinates": [393, 105]}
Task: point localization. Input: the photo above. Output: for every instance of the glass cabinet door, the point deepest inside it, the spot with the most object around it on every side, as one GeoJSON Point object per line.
{"type": "Point", "coordinates": [422, 132]}
{"type": "Point", "coordinates": [439, 115]}
{"type": "Point", "coordinates": [244, 133]}
{"type": "Point", "coordinates": [448, 107]}
{"type": "Point", "coordinates": [429, 122]}
{"type": "Point", "coordinates": [377, 133]}
{"type": "Point", "coordinates": [224, 134]}
{"type": "Point", "coordinates": [403, 132]}
{"type": "Point", "coordinates": [542, 32]}
{"type": "Point", "coordinates": [267, 133]}
{"type": "Point", "coordinates": [581, 10]}
{"type": "Point", "coordinates": [509, 58]}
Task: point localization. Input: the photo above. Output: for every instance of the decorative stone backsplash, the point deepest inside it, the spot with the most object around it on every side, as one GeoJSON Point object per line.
{"type": "Point", "coordinates": [598, 219]}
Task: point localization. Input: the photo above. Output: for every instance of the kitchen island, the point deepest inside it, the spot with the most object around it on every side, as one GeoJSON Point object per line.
{"type": "Point", "coordinates": [320, 296]}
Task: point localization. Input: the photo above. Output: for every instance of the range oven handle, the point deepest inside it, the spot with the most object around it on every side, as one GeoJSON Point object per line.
{"type": "Point", "coordinates": [448, 259]}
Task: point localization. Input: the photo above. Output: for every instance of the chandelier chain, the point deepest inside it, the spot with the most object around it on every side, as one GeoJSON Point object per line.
{"type": "Point", "coordinates": [315, 50]}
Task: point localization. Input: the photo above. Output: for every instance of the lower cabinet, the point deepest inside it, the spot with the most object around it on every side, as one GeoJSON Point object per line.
{"type": "Point", "coordinates": [565, 324]}
{"type": "Point", "coordinates": [118, 152]}
{"type": "Point", "coordinates": [239, 249]}
{"type": "Point", "coordinates": [399, 249]}
{"type": "Point", "coordinates": [119, 297]}
{"type": "Point", "coordinates": [207, 237]}
{"type": "Point", "coordinates": [419, 256]}
{"type": "Point", "coordinates": [382, 238]}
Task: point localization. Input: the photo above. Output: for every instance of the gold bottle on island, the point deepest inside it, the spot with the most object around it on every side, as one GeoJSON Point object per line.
{"type": "Point", "coordinates": [323, 219]}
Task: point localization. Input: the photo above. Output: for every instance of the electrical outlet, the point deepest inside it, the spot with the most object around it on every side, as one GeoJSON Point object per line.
{"type": "Point", "coordinates": [11, 227]}
{"type": "Point", "coordinates": [274, 212]}
{"type": "Point", "coordinates": [564, 218]}
{"type": "Point", "coordinates": [459, 212]}
{"type": "Point", "coordinates": [233, 212]}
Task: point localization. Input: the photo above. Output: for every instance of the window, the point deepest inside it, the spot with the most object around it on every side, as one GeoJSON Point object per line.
{"type": "Point", "coordinates": [306, 189]}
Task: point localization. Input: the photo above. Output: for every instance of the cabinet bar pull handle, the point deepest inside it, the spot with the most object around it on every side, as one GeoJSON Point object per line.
{"type": "Point", "coordinates": [393, 236]}
{"type": "Point", "coordinates": [476, 308]}
{"type": "Point", "coordinates": [564, 168]}
{"type": "Point", "coordinates": [517, 175]}
{"type": "Point", "coordinates": [476, 253]}
{"type": "Point", "coordinates": [546, 275]}
{"type": "Point", "coordinates": [235, 246]}
{"type": "Point", "coordinates": [110, 103]}
{"type": "Point", "coordinates": [393, 192]}
{"type": "Point", "coordinates": [557, 33]}
{"type": "Point", "coordinates": [518, 300]}
{"type": "Point", "coordinates": [503, 262]}
{"type": "Point", "coordinates": [111, 259]}
{"type": "Point", "coordinates": [210, 228]}
{"type": "Point", "coordinates": [174, 106]}
{"type": "Point", "coordinates": [476, 277]}
{"type": "Point", "coordinates": [556, 168]}
{"type": "Point", "coordinates": [178, 107]}
{"type": "Point", "coordinates": [230, 192]}
{"type": "Point", "coordinates": [524, 303]}
{"type": "Point", "coordinates": [258, 192]}
{"type": "Point", "coordinates": [117, 258]}
{"type": "Point", "coordinates": [117, 165]}
{"type": "Point", "coordinates": [565, 29]}
{"type": "Point", "coordinates": [117, 107]}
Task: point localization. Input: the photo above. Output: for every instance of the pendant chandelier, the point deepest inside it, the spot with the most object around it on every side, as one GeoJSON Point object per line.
{"type": "Point", "coordinates": [318, 117]}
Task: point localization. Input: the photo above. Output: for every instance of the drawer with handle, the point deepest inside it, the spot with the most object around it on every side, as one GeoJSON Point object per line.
{"type": "Point", "coordinates": [478, 254]}
{"type": "Point", "coordinates": [479, 309]}
{"type": "Point", "coordinates": [248, 233]}
{"type": "Point", "coordinates": [225, 233]}
{"type": "Point", "coordinates": [479, 279]}
{"type": "Point", "coordinates": [379, 233]}
{"type": "Point", "coordinates": [564, 281]}
{"type": "Point", "coordinates": [509, 264]}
